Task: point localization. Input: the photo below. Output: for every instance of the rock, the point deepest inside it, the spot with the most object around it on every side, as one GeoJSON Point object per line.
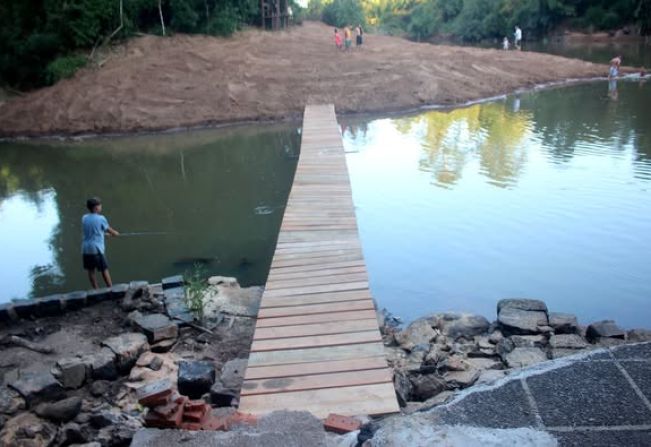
{"type": "Point", "coordinates": [403, 387]}
{"type": "Point", "coordinates": [522, 357]}
{"type": "Point", "coordinates": [119, 433]}
{"type": "Point", "coordinates": [495, 337]}
{"type": "Point", "coordinates": [440, 398]}
{"type": "Point", "coordinates": [435, 355]}
{"type": "Point", "coordinates": [418, 332]}
{"type": "Point", "coordinates": [528, 341]}
{"type": "Point", "coordinates": [518, 321]}
{"type": "Point", "coordinates": [425, 386]}
{"type": "Point", "coordinates": [156, 364]}
{"type": "Point", "coordinates": [603, 329]}
{"type": "Point", "coordinates": [223, 281]}
{"type": "Point", "coordinates": [195, 378]}
{"type": "Point", "coordinates": [104, 418]}
{"type": "Point", "coordinates": [71, 372]}
{"type": "Point", "coordinates": [484, 343]}
{"type": "Point", "coordinates": [155, 393]}
{"type": "Point", "coordinates": [10, 401]}
{"type": "Point", "coordinates": [489, 376]}
{"type": "Point", "coordinates": [483, 363]}
{"type": "Point", "coordinates": [638, 335]}
{"type": "Point", "coordinates": [27, 430]}
{"type": "Point", "coordinates": [61, 411]}
{"type": "Point", "coordinates": [157, 327]}
{"type": "Point", "coordinates": [71, 433]}
{"type": "Point", "coordinates": [461, 379]}
{"type": "Point", "coordinates": [102, 364]}
{"type": "Point", "coordinates": [226, 389]}
{"type": "Point", "coordinates": [563, 323]}
{"type": "Point", "coordinates": [100, 388]}
{"type": "Point", "coordinates": [163, 346]}
{"type": "Point", "coordinates": [127, 348]}
{"type": "Point", "coordinates": [567, 341]}
{"type": "Point", "coordinates": [172, 282]}
{"type": "Point", "coordinates": [521, 304]}
{"type": "Point", "coordinates": [415, 359]}
{"type": "Point", "coordinates": [37, 386]}
{"type": "Point", "coordinates": [455, 325]}
{"type": "Point", "coordinates": [454, 363]}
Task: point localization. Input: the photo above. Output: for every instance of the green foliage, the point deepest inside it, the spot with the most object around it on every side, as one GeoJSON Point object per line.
{"type": "Point", "coordinates": [195, 290]}
{"type": "Point", "coordinates": [342, 13]}
{"type": "Point", "coordinates": [64, 67]}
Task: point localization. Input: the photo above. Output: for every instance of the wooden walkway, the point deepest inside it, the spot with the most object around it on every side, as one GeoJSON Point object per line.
{"type": "Point", "coordinates": [317, 346]}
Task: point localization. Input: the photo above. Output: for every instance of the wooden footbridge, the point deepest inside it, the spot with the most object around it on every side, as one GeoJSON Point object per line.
{"type": "Point", "coordinates": [316, 345]}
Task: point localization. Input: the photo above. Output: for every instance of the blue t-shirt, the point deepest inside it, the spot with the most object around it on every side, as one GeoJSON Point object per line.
{"type": "Point", "coordinates": [93, 227]}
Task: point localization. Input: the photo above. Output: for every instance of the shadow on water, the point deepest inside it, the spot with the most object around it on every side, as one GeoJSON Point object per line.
{"type": "Point", "coordinates": [182, 199]}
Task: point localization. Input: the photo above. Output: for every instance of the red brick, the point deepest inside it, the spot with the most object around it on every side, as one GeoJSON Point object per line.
{"type": "Point", "coordinates": [154, 393]}
{"type": "Point", "coordinates": [193, 426]}
{"type": "Point", "coordinates": [238, 418]}
{"type": "Point", "coordinates": [154, 419]}
{"type": "Point", "coordinates": [341, 424]}
{"type": "Point", "coordinates": [166, 410]}
{"type": "Point", "coordinates": [194, 416]}
{"type": "Point", "coordinates": [194, 405]}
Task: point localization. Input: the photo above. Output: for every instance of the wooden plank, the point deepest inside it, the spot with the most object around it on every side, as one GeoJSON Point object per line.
{"type": "Point", "coordinates": [316, 354]}
{"type": "Point", "coordinates": [315, 298]}
{"type": "Point", "coordinates": [337, 271]}
{"type": "Point", "coordinates": [308, 309]}
{"type": "Point", "coordinates": [321, 288]}
{"type": "Point", "coordinates": [349, 401]}
{"type": "Point", "coordinates": [300, 369]}
{"type": "Point", "coordinates": [316, 318]}
{"type": "Point", "coordinates": [284, 283]}
{"type": "Point", "coordinates": [313, 267]}
{"type": "Point", "coordinates": [315, 341]}
{"type": "Point", "coordinates": [334, 380]}
{"type": "Point", "coordinates": [335, 327]}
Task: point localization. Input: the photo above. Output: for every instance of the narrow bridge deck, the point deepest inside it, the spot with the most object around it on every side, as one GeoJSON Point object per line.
{"type": "Point", "coordinates": [317, 346]}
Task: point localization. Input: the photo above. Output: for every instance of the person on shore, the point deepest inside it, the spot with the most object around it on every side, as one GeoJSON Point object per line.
{"type": "Point", "coordinates": [359, 35]}
{"type": "Point", "coordinates": [348, 38]}
{"type": "Point", "coordinates": [517, 38]}
{"type": "Point", "coordinates": [615, 63]}
{"type": "Point", "coordinates": [94, 228]}
{"type": "Point", "coordinates": [505, 43]}
{"type": "Point", "coordinates": [338, 42]}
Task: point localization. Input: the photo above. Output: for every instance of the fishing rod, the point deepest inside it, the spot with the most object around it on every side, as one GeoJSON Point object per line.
{"type": "Point", "coordinates": [144, 233]}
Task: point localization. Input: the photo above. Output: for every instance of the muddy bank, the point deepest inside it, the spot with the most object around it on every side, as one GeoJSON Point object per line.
{"type": "Point", "coordinates": [154, 83]}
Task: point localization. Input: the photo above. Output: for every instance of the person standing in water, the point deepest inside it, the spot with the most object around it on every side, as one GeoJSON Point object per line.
{"type": "Point", "coordinates": [94, 227]}
{"type": "Point", "coordinates": [615, 63]}
{"type": "Point", "coordinates": [517, 38]}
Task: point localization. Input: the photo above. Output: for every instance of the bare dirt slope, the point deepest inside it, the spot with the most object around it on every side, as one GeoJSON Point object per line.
{"type": "Point", "coordinates": [159, 83]}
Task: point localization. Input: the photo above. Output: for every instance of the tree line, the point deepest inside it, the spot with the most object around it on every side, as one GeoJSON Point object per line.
{"type": "Point", "coordinates": [474, 20]}
{"type": "Point", "coordinates": [42, 41]}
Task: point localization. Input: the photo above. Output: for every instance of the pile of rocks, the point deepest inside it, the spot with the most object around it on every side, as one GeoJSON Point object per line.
{"type": "Point", "coordinates": [436, 355]}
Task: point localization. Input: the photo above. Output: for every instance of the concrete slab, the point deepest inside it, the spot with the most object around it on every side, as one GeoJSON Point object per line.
{"type": "Point", "coordinates": [503, 407]}
{"type": "Point", "coordinates": [587, 394]}
{"type": "Point", "coordinates": [628, 438]}
{"type": "Point", "coordinates": [637, 351]}
{"type": "Point", "coordinates": [640, 372]}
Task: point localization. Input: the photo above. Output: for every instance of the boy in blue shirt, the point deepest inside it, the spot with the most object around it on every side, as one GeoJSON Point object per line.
{"type": "Point", "coordinates": [94, 227]}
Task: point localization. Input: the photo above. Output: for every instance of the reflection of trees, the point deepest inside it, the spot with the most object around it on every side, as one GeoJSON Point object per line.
{"type": "Point", "coordinates": [204, 193]}
{"type": "Point", "coordinates": [451, 138]}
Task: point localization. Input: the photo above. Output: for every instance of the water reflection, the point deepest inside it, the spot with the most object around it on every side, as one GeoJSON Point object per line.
{"type": "Point", "coordinates": [213, 197]}
{"type": "Point", "coordinates": [544, 195]}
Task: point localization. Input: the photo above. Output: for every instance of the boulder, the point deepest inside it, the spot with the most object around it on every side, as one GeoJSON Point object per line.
{"type": "Point", "coordinates": [418, 332]}
{"type": "Point", "coordinates": [604, 329]}
{"type": "Point", "coordinates": [71, 372]}
{"type": "Point", "coordinates": [195, 378]}
{"type": "Point", "coordinates": [61, 411]}
{"type": "Point", "coordinates": [10, 401]}
{"type": "Point", "coordinates": [425, 386]}
{"type": "Point", "coordinates": [127, 348]}
{"type": "Point", "coordinates": [100, 388]}
{"type": "Point", "coordinates": [27, 430]}
{"type": "Point", "coordinates": [454, 363]}
{"type": "Point", "coordinates": [638, 335]}
{"type": "Point", "coordinates": [156, 327]}
{"type": "Point", "coordinates": [403, 387]}
{"type": "Point", "coordinates": [525, 304]}
{"type": "Point", "coordinates": [495, 337]}
{"type": "Point", "coordinates": [461, 379]}
{"type": "Point", "coordinates": [102, 364]}
{"type": "Point", "coordinates": [563, 323]}
{"type": "Point", "coordinates": [567, 341]}
{"type": "Point", "coordinates": [483, 363]}
{"type": "Point", "coordinates": [518, 321]}
{"type": "Point", "coordinates": [522, 357]}
{"type": "Point", "coordinates": [435, 355]}
{"type": "Point", "coordinates": [455, 325]}
{"type": "Point", "coordinates": [37, 386]}
{"type": "Point", "coordinates": [416, 357]}
{"type": "Point", "coordinates": [528, 341]}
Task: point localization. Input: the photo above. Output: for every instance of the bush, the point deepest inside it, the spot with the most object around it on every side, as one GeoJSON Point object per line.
{"type": "Point", "coordinates": [342, 13]}
{"type": "Point", "coordinates": [64, 67]}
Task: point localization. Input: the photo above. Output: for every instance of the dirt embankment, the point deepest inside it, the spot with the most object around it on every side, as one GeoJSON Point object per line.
{"type": "Point", "coordinates": [155, 83]}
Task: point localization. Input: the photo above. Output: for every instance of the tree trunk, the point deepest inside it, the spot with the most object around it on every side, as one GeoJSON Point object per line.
{"type": "Point", "coordinates": [160, 13]}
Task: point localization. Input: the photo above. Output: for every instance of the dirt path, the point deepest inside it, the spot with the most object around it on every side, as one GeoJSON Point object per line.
{"type": "Point", "coordinates": [160, 83]}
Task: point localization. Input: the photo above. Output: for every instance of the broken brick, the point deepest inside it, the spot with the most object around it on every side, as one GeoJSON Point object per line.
{"type": "Point", "coordinates": [195, 416]}
{"type": "Point", "coordinates": [238, 418]}
{"type": "Point", "coordinates": [193, 426]}
{"type": "Point", "coordinates": [153, 419]}
{"type": "Point", "coordinates": [341, 424]}
{"type": "Point", "coordinates": [194, 405]}
{"type": "Point", "coordinates": [155, 393]}
{"type": "Point", "coordinates": [166, 410]}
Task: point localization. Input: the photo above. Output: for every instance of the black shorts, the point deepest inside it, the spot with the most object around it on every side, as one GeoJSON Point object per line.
{"type": "Point", "coordinates": [359, 40]}
{"type": "Point", "coordinates": [95, 262]}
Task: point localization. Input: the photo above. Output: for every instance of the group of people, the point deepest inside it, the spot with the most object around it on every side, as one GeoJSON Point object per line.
{"type": "Point", "coordinates": [517, 40]}
{"type": "Point", "coordinates": [346, 42]}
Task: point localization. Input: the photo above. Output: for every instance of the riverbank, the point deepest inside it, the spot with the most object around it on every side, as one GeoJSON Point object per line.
{"type": "Point", "coordinates": [153, 83]}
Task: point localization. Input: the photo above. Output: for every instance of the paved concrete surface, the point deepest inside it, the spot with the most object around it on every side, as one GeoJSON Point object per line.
{"type": "Point", "coordinates": [592, 399]}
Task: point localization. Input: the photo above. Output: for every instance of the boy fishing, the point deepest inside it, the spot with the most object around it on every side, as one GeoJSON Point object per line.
{"type": "Point", "coordinates": [94, 228]}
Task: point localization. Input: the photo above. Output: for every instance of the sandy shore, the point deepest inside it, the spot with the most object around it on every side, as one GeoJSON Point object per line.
{"type": "Point", "coordinates": [154, 83]}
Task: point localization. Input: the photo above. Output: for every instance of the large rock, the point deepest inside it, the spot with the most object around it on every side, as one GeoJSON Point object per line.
{"type": "Point", "coordinates": [10, 401]}
{"type": "Point", "coordinates": [156, 327]}
{"type": "Point", "coordinates": [563, 323]}
{"type": "Point", "coordinates": [101, 364]}
{"type": "Point", "coordinates": [127, 348]}
{"type": "Point", "coordinates": [37, 386]}
{"type": "Point", "coordinates": [61, 411]}
{"type": "Point", "coordinates": [27, 430]}
{"type": "Point", "coordinates": [403, 387]}
{"type": "Point", "coordinates": [525, 304]}
{"type": "Point", "coordinates": [195, 378]}
{"type": "Point", "coordinates": [567, 341]}
{"type": "Point", "coordinates": [604, 329]}
{"type": "Point", "coordinates": [455, 325]}
{"type": "Point", "coordinates": [418, 332]}
{"type": "Point", "coordinates": [522, 357]}
{"type": "Point", "coordinates": [461, 379]}
{"type": "Point", "coordinates": [638, 335]}
{"type": "Point", "coordinates": [71, 372]}
{"type": "Point", "coordinates": [425, 386]}
{"type": "Point", "coordinates": [226, 390]}
{"type": "Point", "coordinates": [518, 321]}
